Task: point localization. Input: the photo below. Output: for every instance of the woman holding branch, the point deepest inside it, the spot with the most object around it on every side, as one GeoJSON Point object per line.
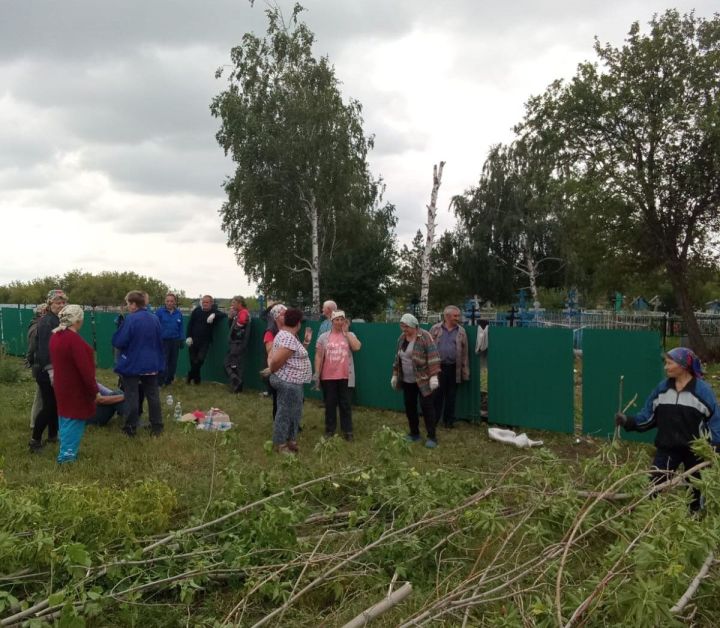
{"type": "Point", "coordinates": [683, 408]}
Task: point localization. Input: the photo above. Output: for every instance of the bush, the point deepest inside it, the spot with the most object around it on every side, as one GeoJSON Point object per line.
{"type": "Point", "coordinates": [10, 369]}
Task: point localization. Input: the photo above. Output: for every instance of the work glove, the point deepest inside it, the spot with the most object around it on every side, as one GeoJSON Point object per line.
{"type": "Point", "coordinates": [188, 341]}
{"type": "Point", "coordinates": [211, 318]}
{"type": "Point", "coordinates": [620, 419]}
{"type": "Point", "coordinates": [393, 382]}
{"type": "Point", "coordinates": [434, 383]}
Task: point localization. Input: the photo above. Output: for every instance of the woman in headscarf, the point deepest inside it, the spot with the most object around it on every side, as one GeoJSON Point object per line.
{"type": "Point", "coordinates": [415, 372]}
{"type": "Point", "coordinates": [335, 371]}
{"type": "Point", "coordinates": [276, 319]}
{"type": "Point", "coordinates": [74, 381]}
{"type": "Point", "coordinates": [42, 369]}
{"type": "Point", "coordinates": [682, 408]}
{"type": "Point", "coordinates": [290, 369]}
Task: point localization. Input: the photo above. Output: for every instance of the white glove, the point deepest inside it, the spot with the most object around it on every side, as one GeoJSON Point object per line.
{"type": "Point", "coordinates": [188, 341]}
{"type": "Point", "coordinates": [434, 383]}
{"type": "Point", "coordinates": [393, 381]}
{"type": "Point", "coordinates": [211, 318]}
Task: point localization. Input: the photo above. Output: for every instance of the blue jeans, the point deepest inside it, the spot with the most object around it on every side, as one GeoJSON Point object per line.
{"type": "Point", "coordinates": [289, 410]}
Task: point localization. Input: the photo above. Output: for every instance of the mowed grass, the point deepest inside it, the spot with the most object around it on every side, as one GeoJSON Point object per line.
{"type": "Point", "coordinates": [190, 460]}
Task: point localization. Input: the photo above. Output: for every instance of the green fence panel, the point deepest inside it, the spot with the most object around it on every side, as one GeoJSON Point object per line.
{"type": "Point", "coordinates": [15, 322]}
{"type": "Point", "coordinates": [607, 355]}
{"type": "Point", "coordinates": [87, 331]}
{"type": "Point", "coordinates": [530, 378]}
{"type": "Point", "coordinates": [104, 330]}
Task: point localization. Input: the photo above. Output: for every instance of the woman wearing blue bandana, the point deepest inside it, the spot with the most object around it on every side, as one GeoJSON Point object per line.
{"type": "Point", "coordinates": [682, 408]}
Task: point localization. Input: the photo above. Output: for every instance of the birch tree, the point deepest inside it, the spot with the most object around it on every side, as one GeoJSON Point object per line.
{"type": "Point", "coordinates": [300, 155]}
{"type": "Point", "coordinates": [429, 241]}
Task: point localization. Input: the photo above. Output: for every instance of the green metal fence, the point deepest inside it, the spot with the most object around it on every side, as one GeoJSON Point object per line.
{"type": "Point", "coordinates": [530, 370]}
{"type": "Point", "coordinates": [608, 355]}
{"type": "Point", "coordinates": [530, 378]}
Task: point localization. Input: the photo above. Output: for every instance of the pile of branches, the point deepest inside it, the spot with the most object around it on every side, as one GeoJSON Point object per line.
{"type": "Point", "coordinates": [541, 543]}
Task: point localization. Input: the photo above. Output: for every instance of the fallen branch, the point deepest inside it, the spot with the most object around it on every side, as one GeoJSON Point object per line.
{"type": "Point", "coordinates": [687, 596]}
{"type": "Point", "coordinates": [243, 509]}
{"type": "Point", "coordinates": [364, 618]}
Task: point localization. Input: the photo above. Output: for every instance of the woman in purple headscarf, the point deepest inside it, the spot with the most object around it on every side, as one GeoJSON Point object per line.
{"type": "Point", "coordinates": [682, 408]}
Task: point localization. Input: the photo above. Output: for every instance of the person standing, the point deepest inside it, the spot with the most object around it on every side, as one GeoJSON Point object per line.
{"type": "Point", "coordinates": [290, 368]}
{"type": "Point", "coordinates": [276, 319]}
{"type": "Point", "coordinates": [335, 371]}
{"type": "Point", "coordinates": [683, 408]}
{"type": "Point", "coordinates": [199, 335]}
{"type": "Point", "coordinates": [173, 336]}
{"type": "Point", "coordinates": [141, 359]}
{"type": "Point", "coordinates": [42, 368]}
{"type": "Point", "coordinates": [452, 344]}
{"type": "Point", "coordinates": [327, 311]}
{"type": "Point", "coordinates": [415, 372]}
{"type": "Point", "coordinates": [237, 343]}
{"type": "Point", "coordinates": [32, 341]}
{"type": "Point", "coordinates": [74, 382]}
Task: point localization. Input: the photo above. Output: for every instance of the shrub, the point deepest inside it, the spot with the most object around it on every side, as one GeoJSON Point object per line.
{"type": "Point", "coordinates": [10, 369]}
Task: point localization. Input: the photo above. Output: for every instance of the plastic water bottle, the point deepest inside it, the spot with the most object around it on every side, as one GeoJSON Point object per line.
{"type": "Point", "coordinates": [208, 419]}
{"type": "Point", "coordinates": [178, 411]}
{"type": "Point", "coordinates": [169, 401]}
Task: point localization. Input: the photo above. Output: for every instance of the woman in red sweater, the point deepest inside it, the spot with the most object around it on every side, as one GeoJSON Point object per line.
{"type": "Point", "coordinates": [73, 380]}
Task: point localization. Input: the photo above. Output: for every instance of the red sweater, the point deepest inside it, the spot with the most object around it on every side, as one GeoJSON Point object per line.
{"type": "Point", "coordinates": [74, 375]}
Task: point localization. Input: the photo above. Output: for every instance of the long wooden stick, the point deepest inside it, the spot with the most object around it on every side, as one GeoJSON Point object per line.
{"type": "Point", "coordinates": [687, 596]}
{"type": "Point", "coordinates": [364, 618]}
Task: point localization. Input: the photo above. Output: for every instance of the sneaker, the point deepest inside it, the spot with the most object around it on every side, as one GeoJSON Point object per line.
{"type": "Point", "coordinates": [348, 437]}
{"type": "Point", "coordinates": [35, 446]}
{"type": "Point", "coordinates": [430, 443]}
{"type": "Point", "coordinates": [293, 446]}
{"type": "Point", "coordinates": [283, 449]}
{"type": "Point", "coordinates": [130, 432]}
{"type": "Point", "coordinates": [412, 438]}
{"type": "Point", "coordinates": [329, 435]}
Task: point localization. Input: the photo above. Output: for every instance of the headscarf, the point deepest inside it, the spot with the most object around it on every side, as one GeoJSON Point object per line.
{"type": "Point", "coordinates": [56, 294]}
{"type": "Point", "coordinates": [687, 359]}
{"type": "Point", "coordinates": [337, 314]}
{"type": "Point", "coordinates": [41, 309]}
{"type": "Point", "coordinates": [409, 320]}
{"type": "Point", "coordinates": [68, 316]}
{"type": "Point", "coordinates": [276, 310]}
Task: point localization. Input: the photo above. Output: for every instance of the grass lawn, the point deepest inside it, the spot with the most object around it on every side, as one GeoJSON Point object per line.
{"type": "Point", "coordinates": [209, 474]}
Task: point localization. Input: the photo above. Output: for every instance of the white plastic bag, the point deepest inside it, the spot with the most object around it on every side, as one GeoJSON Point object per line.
{"type": "Point", "coordinates": [510, 438]}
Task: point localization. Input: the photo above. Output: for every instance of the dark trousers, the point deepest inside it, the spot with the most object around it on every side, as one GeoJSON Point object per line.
{"type": "Point", "coordinates": [337, 395]}
{"type": "Point", "coordinates": [668, 460]}
{"type": "Point", "coordinates": [47, 418]}
{"type": "Point", "coordinates": [197, 353]}
{"type": "Point", "coordinates": [151, 389]}
{"type": "Point", "coordinates": [171, 349]}
{"type": "Point", "coordinates": [411, 392]}
{"type": "Point", "coordinates": [235, 365]}
{"type": "Point", "coordinates": [444, 396]}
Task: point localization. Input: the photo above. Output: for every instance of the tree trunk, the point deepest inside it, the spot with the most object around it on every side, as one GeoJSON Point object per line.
{"type": "Point", "coordinates": [532, 273]}
{"type": "Point", "coordinates": [315, 266]}
{"type": "Point", "coordinates": [678, 279]}
{"type": "Point", "coordinates": [432, 214]}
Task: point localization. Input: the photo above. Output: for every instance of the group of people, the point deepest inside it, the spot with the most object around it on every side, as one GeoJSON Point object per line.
{"type": "Point", "coordinates": [428, 367]}
{"type": "Point", "coordinates": [146, 345]}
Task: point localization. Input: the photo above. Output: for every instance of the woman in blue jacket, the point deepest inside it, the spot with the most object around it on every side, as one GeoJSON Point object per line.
{"type": "Point", "coordinates": [683, 408]}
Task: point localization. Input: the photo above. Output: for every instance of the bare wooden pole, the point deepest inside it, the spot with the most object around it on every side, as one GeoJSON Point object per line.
{"type": "Point", "coordinates": [429, 241]}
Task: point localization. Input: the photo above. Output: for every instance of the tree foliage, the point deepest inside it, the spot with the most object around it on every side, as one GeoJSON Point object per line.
{"type": "Point", "coordinates": [102, 289]}
{"type": "Point", "coordinates": [301, 176]}
{"type": "Point", "coordinates": [639, 132]}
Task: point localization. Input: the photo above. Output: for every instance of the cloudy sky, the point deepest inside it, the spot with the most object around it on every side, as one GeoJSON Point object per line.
{"type": "Point", "coordinates": [107, 153]}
